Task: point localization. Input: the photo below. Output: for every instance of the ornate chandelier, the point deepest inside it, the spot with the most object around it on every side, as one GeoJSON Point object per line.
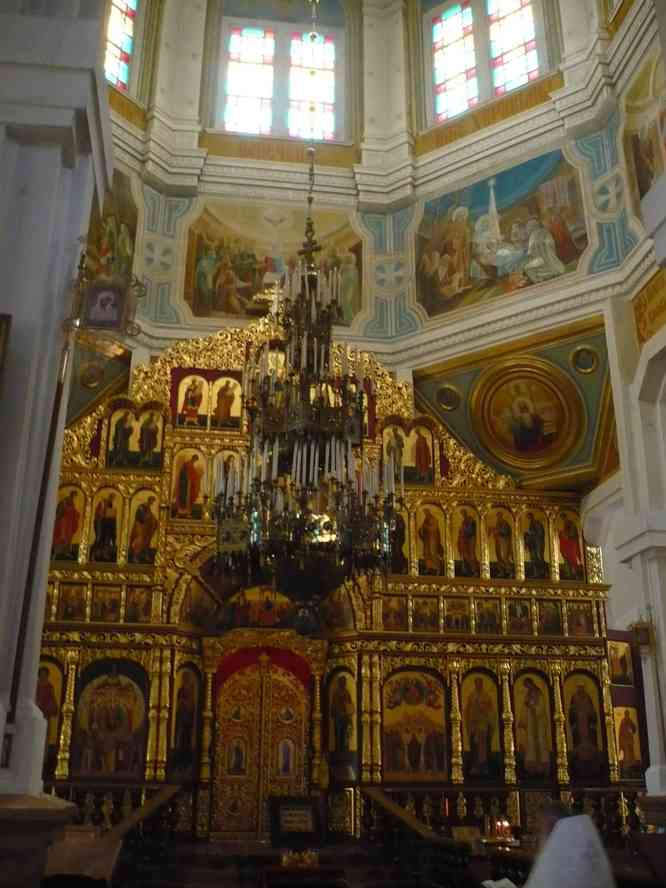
{"type": "Point", "coordinates": [304, 508]}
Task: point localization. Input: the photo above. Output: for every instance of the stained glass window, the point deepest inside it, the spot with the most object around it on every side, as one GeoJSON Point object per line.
{"type": "Point", "coordinates": [311, 112]}
{"type": "Point", "coordinates": [456, 85]}
{"type": "Point", "coordinates": [249, 86]}
{"type": "Point", "coordinates": [513, 47]}
{"type": "Point", "coordinates": [120, 42]}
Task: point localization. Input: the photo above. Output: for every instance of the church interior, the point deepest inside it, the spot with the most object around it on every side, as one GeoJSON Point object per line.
{"type": "Point", "coordinates": [332, 373]}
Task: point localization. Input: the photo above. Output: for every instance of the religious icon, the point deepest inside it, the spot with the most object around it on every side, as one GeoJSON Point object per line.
{"type": "Point", "coordinates": [48, 697]}
{"type": "Point", "coordinates": [286, 715]}
{"type": "Point", "coordinates": [182, 759]}
{"type": "Point", "coordinates": [501, 546]}
{"type": "Point", "coordinates": [418, 459]}
{"type": "Point", "coordinates": [285, 758]}
{"type": "Point", "coordinates": [414, 739]}
{"type": "Point", "coordinates": [457, 615]}
{"type": "Point", "coordinates": [109, 728]}
{"type": "Point", "coordinates": [534, 743]}
{"type": "Point", "coordinates": [480, 727]}
{"type": "Point", "coordinates": [537, 566]}
{"type": "Point", "coordinates": [430, 532]}
{"type": "Point", "coordinates": [584, 726]}
{"type": "Point", "coordinates": [107, 510]}
{"type": "Point", "coordinates": [337, 610]}
{"type": "Point", "coordinates": [425, 615]}
{"type": "Point", "coordinates": [488, 619]}
{"type": "Point", "coordinates": [188, 485]}
{"type": "Point", "coordinates": [135, 444]}
{"type": "Point", "coordinates": [571, 559]}
{"type": "Point", "coordinates": [342, 737]}
{"type": "Point", "coordinates": [226, 404]}
{"type": "Point", "coordinates": [550, 617]}
{"type": "Point", "coordinates": [72, 603]}
{"type": "Point", "coordinates": [138, 605]}
{"type": "Point", "coordinates": [104, 305]}
{"type": "Point", "coordinates": [399, 545]}
{"type": "Point", "coordinates": [106, 604]}
{"type": "Point", "coordinates": [619, 658]}
{"type": "Point", "coordinates": [67, 527]}
{"type": "Point", "coordinates": [236, 762]}
{"type": "Point", "coordinates": [143, 528]}
{"type": "Point", "coordinates": [467, 563]}
{"type": "Point", "coordinates": [579, 618]}
{"type": "Point", "coordinates": [122, 429]}
{"type": "Point", "coordinates": [394, 450]}
{"type": "Point", "coordinates": [150, 429]}
{"type": "Point", "coordinates": [258, 607]}
{"type": "Point", "coordinates": [628, 742]}
{"type": "Point", "coordinates": [192, 402]}
{"type": "Point", "coordinates": [394, 613]}
{"type": "Point", "coordinates": [519, 617]}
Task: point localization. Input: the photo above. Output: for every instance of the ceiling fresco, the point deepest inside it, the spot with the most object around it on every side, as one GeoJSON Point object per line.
{"type": "Point", "coordinates": [538, 409]}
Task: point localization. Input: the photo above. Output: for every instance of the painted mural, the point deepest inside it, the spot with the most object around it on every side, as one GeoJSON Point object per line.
{"type": "Point", "coordinates": [466, 536]}
{"type": "Point", "coordinates": [414, 738]}
{"type": "Point", "coordinates": [144, 511]}
{"type": "Point", "coordinates": [430, 533]}
{"type": "Point", "coordinates": [645, 128]}
{"type": "Point", "coordinates": [620, 661]}
{"type": "Point", "coordinates": [481, 736]}
{"type": "Point", "coordinates": [109, 730]}
{"type": "Point", "coordinates": [112, 232]}
{"type": "Point", "coordinates": [500, 543]}
{"type": "Point", "coordinates": [135, 439]}
{"type": "Point", "coordinates": [342, 722]}
{"type": "Point", "coordinates": [237, 254]}
{"type": "Point", "coordinates": [524, 226]}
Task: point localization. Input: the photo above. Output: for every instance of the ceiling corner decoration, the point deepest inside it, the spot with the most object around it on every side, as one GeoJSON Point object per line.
{"type": "Point", "coordinates": [539, 409]}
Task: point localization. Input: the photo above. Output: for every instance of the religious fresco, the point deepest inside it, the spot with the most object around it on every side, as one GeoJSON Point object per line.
{"type": "Point", "coordinates": [536, 545]}
{"type": "Point", "coordinates": [413, 728]}
{"type": "Point", "coordinates": [519, 617]}
{"type": "Point", "coordinates": [620, 663]}
{"type": "Point", "coordinates": [110, 722]}
{"type": "Point", "coordinates": [572, 566]}
{"type": "Point", "coordinates": [549, 618]}
{"type": "Point", "coordinates": [135, 440]}
{"type": "Point", "coordinates": [72, 602]}
{"type": "Point", "coordinates": [524, 226]}
{"type": "Point", "coordinates": [411, 452]}
{"type": "Point", "coordinates": [107, 518]}
{"type": "Point", "coordinates": [431, 536]}
{"type": "Point", "coordinates": [138, 606]}
{"type": "Point", "coordinates": [188, 484]}
{"type": "Point", "coordinates": [482, 757]}
{"type": "Point", "coordinates": [68, 525]}
{"type": "Point", "coordinates": [198, 608]}
{"type": "Point", "coordinates": [112, 232]}
{"type": "Point", "coordinates": [500, 544]}
{"type": "Point", "coordinates": [342, 714]}
{"type": "Point", "coordinates": [425, 615]}
{"type": "Point", "coordinates": [144, 521]}
{"type": "Point", "coordinates": [584, 727]}
{"type": "Point", "coordinates": [457, 615]}
{"type": "Point", "coordinates": [400, 544]}
{"type": "Point", "coordinates": [48, 697]}
{"type": "Point", "coordinates": [225, 404]}
{"type": "Point", "coordinates": [185, 724]}
{"type": "Point", "coordinates": [533, 720]}
{"type": "Point", "coordinates": [466, 542]}
{"type": "Point", "coordinates": [645, 128]}
{"type": "Point", "coordinates": [237, 254]}
{"type": "Point", "coordinates": [628, 741]}
{"type": "Point", "coordinates": [394, 613]}
{"type": "Point", "coordinates": [488, 616]}
{"type": "Point", "coordinates": [106, 604]}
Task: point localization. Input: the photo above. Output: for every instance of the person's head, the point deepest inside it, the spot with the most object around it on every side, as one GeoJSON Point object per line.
{"type": "Point", "coordinates": [550, 814]}
{"type": "Point", "coordinates": [150, 501]}
{"type": "Point", "coordinates": [478, 683]}
{"type": "Point", "coordinates": [43, 673]}
{"type": "Point", "coordinates": [530, 516]}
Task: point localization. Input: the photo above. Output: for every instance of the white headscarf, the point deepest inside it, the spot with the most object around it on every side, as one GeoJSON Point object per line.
{"type": "Point", "coordinates": [573, 857]}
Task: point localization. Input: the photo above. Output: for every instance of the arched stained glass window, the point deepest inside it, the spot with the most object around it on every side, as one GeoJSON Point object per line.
{"type": "Point", "coordinates": [479, 50]}
{"type": "Point", "coordinates": [120, 36]}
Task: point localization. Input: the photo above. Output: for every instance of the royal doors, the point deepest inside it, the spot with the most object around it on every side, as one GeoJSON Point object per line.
{"type": "Point", "coordinates": [262, 737]}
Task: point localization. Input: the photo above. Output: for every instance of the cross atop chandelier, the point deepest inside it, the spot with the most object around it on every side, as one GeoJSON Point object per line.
{"type": "Point", "coordinates": [305, 509]}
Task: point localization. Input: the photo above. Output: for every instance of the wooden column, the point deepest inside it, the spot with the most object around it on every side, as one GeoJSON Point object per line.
{"type": "Point", "coordinates": [376, 719]}
{"type": "Point", "coordinates": [65, 740]}
{"type": "Point", "coordinates": [366, 748]}
{"type": "Point", "coordinates": [560, 733]}
{"type": "Point", "coordinates": [613, 766]}
{"type": "Point", "coordinates": [163, 717]}
{"type": "Point", "coordinates": [206, 729]}
{"type": "Point", "coordinates": [153, 709]}
{"type": "Point", "coordinates": [456, 725]}
{"type": "Point", "coordinates": [316, 731]}
{"type": "Point", "coordinates": [507, 723]}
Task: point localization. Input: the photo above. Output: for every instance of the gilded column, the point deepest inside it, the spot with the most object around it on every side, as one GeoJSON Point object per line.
{"type": "Point", "coordinates": [366, 754]}
{"type": "Point", "coordinates": [456, 725]}
{"type": "Point", "coordinates": [554, 545]}
{"type": "Point", "coordinates": [62, 762]}
{"type": "Point", "coordinates": [375, 719]}
{"type": "Point", "coordinates": [316, 731]}
{"type": "Point", "coordinates": [163, 717]}
{"type": "Point", "coordinates": [507, 723]}
{"type": "Point", "coordinates": [450, 554]}
{"type": "Point", "coordinates": [613, 766]}
{"type": "Point", "coordinates": [153, 708]}
{"type": "Point", "coordinates": [413, 544]}
{"type": "Point", "coordinates": [485, 546]}
{"type": "Point", "coordinates": [519, 547]}
{"type": "Point", "coordinates": [206, 729]}
{"type": "Point", "coordinates": [558, 719]}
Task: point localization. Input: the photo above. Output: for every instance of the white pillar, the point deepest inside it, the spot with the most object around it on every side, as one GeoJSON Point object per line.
{"type": "Point", "coordinates": [54, 149]}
